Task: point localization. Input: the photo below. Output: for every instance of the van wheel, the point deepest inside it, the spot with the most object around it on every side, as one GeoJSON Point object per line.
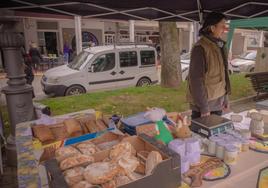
{"type": "Point", "coordinates": [252, 69]}
{"type": "Point", "coordinates": [144, 82]}
{"type": "Point", "coordinates": [75, 90]}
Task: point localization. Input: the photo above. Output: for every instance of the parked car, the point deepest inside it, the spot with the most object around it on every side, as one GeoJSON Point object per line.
{"type": "Point", "coordinates": [245, 62]}
{"type": "Point", "coordinates": [103, 68]}
{"type": "Point", "coordinates": [185, 64]}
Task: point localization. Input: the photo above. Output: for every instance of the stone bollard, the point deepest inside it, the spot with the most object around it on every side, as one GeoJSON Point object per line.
{"type": "Point", "coordinates": [18, 93]}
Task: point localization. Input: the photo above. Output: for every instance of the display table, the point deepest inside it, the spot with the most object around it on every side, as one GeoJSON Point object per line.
{"type": "Point", "coordinates": [244, 174]}
{"type": "Point", "coordinates": [30, 174]}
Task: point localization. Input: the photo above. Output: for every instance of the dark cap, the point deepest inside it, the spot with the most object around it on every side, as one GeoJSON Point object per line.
{"type": "Point", "coordinates": [212, 19]}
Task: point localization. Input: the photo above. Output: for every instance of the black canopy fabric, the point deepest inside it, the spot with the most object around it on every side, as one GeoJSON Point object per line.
{"type": "Point", "coordinates": [157, 10]}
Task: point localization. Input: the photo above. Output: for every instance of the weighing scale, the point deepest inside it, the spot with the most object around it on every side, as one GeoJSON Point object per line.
{"type": "Point", "coordinates": [211, 125]}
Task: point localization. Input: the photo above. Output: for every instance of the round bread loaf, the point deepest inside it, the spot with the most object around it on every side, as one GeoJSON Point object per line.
{"type": "Point", "coordinates": [74, 175]}
{"type": "Point", "coordinates": [65, 152]}
{"type": "Point", "coordinates": [82, 184]}
{"type": "Point", "coordinates": [100, 172]}
{"type": "Point", "coordinates": [153, 159]}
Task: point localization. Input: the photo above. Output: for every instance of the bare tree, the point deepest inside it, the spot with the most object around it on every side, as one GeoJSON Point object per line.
{"type": "Point", "coordinates": [170, 55]}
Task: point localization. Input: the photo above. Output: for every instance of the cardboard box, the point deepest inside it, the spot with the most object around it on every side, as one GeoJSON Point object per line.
{"type": "Point", "coordinates": [166, 174]}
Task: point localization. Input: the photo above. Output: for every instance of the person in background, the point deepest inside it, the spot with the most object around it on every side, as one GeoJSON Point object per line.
{"type": "Point", "coordinates": [29, 75]}
{"type": "Point", "coordinates": [66, 51]}
{"type": "Point", "coordinates": [36, 57]}
{"type": "Point", "coordinates": [208, 83]}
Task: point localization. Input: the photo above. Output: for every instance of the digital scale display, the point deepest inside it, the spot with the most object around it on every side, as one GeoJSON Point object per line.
{"type": "Point", "coordinates": [211, 125]}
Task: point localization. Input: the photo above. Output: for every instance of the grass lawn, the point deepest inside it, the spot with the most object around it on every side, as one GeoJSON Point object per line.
{"type": "Point", "coordinates": [132, 100]}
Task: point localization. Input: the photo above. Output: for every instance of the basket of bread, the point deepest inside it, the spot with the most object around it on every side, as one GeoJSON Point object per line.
{"type": "Point", "coordinates": [134, 161]}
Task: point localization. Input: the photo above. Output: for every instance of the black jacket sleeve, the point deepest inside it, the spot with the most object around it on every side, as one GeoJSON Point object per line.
{"type": "Point", "coordinates": [197, 79]}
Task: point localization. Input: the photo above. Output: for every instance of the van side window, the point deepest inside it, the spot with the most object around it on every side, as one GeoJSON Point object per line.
{"type": "Point", "coordinates": [147, 57]}
{"type": "Point", "coordinates": [128, 59]}
{"type": "Point", "coordinates": [104, 62]}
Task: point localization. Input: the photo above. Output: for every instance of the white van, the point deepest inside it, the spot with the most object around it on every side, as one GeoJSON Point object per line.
{"type": "Point", "coordinates": [103, 68]}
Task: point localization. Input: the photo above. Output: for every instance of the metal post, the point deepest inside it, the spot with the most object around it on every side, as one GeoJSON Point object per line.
{"type": "Point", "coordinates": [117, 33]}
{"type": "Point", "coordinates": [131, 31]}
{"type": "Point", "coordinates": [191, 36]}
{"type": "Point", "coordinates": [78, 34]}
{"type": "Point", "coordinates": [18, 93]}
{"type": "Point", "coordinates": [196, 26]}
{"type": "Point", "coordinates": [261, 39]}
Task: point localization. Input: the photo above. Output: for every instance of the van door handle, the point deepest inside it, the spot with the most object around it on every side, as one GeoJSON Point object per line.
{"type": "Point", "coordinates": [122, 72]}
{"type": "Point", "coordinates": [113, 73]}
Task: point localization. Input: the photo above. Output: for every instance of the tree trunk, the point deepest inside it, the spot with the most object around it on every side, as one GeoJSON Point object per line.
{"type": "Point", "coordinates": [170, 55]}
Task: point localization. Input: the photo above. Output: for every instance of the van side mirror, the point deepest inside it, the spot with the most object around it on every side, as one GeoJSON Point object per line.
{"type": "Point", "coordinates": [91, 68]}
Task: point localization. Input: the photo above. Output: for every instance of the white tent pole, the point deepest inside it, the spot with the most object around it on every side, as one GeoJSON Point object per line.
{"type": "Point", "coordinates": [261, 39]}
{"type": "Point", "coordinates": [78, 34]}
{"type": "Point", "coordinates": [131, 31]}
{"type": "Point", "coordinates": [115, 12]}
{"type": "Point", "coordinates": [37, 6]}
{"type": "Point", "coordinates": [191, 35]}
{"type": "Point", "coordinates": [44, 7]}
{"type": "Point", "coordinates": [199, 7]}
{"type": "Point", "coordinates": [245, 4]}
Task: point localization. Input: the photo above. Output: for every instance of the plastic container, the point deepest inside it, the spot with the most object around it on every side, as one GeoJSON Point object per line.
{"type": "Point", "coordinates": [192, 145]}
{"type": "Point", "coordinates": [237, 143]}
{"type": "Point", "coordinates": [212, 144]}
{"type": "Point", "coordinates": [220, 149]}
{"type": "Point", "coordinates": [194, 158]}
{"type": "Point", "coordinates": [245, 145]}
{"type": "Point", "coordinates": [177, 146]}
{"type": "Point", "coordinates": [185, 165]}
{"type": "Point", "coordinates": [230, 154]}
{"type": "Point", "coordinates": [245, 133]}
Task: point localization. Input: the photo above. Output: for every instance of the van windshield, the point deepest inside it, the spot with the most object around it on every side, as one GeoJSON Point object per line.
{"type": "Point", "coordinates": [79, 60]}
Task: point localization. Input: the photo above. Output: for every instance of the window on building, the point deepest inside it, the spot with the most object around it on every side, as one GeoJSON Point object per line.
{"type": "Point", "coordinates": [104, 62]}
{"type": "Point", "coordinates": [128, 59]}
{"type": "Point", "coordinates": [147, 57]}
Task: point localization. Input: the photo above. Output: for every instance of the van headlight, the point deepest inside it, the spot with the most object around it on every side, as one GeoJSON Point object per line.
{"type": "Point", "coordinates": [44, 78]}
{"type": "Point", "coordinates": [53, 80]}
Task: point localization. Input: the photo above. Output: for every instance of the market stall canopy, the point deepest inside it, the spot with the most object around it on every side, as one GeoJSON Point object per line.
{"type": "Point", "coordinates": [157, 10]}
{"type": "Point", "coordinates": [260, 23]}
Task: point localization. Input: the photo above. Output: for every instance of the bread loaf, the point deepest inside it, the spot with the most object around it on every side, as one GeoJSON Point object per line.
{"type": "Point", "coordinates": [82, 184]}
{"type": "Point", "coordinates": [43, 133]}
{"type": "Point", "coordinates": [100, 125]}
{"type": "Point", "coordinates": [92, 126]}
{"type": "Point", "coordinates": [65, 152]}
{"type": "Point", "coordinates": [87, 148]}
{"type": "Point", "coordinates": [74, 175]}
{"type": "Point", "coordinates": [77, 160]}
{"type": "Point", "coordinates": [123, 149]}
{"type": "Point", "coordinates": [73, 127]}
{"type": "Point", "coordinates": [121, 180]}
{"type": "Point", "coordinates": [128, 163]}
{"type": "Point", "coordinates": [140, 168]}
{"type": "Point", "coordinates": [59, 131]}
{"type": "Point", "coordinates": [154, 158]}
{"type": "Point", "coordinates": [109, 184]}
{"type": "Point", "coordinates": [100, 172]}
{"type": "Point", "coordinates": [106, 120]}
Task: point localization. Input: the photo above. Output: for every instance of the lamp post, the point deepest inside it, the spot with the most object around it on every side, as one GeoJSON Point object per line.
{"type": "Point", "coordinates": [18, 93]}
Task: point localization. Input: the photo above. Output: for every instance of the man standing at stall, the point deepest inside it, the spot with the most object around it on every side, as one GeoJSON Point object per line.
{"type": "Point", "coordinates": [208, 81]}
